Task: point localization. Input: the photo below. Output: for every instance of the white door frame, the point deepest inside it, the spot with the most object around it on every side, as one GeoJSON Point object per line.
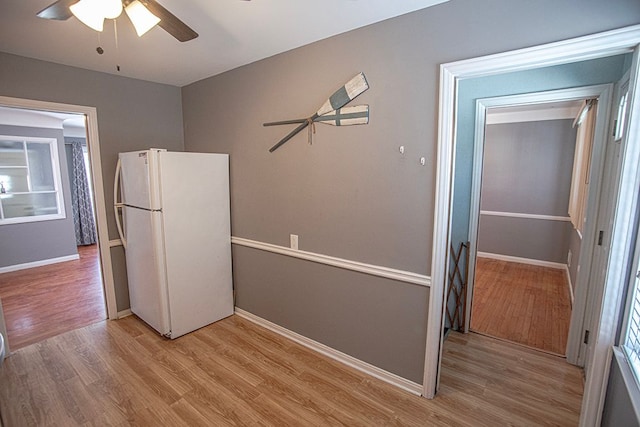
{"type": "Point", "coordinates": [624, 203]}
{"type": "Point", "coordinates": [603, 93]}
{"type": "Point", "coordinates": [93, 145]}
{"type": "Point", "coordinates": [580, 49]}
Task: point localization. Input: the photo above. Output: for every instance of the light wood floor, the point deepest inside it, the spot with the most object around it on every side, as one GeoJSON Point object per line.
{"type": "Point", "coordinates": [45, 301]}
{"type": "Point", "coordinates": [522, 303]}
{"type": "Point", "coordinates": [119, 373]}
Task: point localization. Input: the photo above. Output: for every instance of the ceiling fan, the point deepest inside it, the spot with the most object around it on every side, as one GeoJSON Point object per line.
{"type": "Point", "coordinates": [144, 14]}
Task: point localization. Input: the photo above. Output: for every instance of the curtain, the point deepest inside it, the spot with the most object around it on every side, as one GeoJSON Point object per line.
{"type": "Point", "coordinates": [585, 122]}
{"type": "Point", "coordinates": [81, 198]}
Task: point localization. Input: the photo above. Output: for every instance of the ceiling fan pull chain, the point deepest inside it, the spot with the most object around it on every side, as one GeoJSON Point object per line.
{"type": "Point", "coordinates": [115, 32]}
{"type": "Point", "coordinates": [99, 49]}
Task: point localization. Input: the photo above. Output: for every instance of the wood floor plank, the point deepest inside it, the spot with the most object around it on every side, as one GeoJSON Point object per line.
{"type": "Point", "coordinates": [234, 372]}
{"type": "Point", "coordinates": [279, 414]}
{"type": "Point", "coordinates": [190, 415]}
{"type": "Point", "coordinates": [163, 416]}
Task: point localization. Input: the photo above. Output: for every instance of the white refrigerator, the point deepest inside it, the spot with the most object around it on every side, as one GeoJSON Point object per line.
{"type": "Point", "coordinates": [176, 233]}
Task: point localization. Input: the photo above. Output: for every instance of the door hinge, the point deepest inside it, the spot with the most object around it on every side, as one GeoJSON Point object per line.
{"type": "Point", "coordinates": [586, 336]}
{"type": "Point", "coordinates": [600, 235]}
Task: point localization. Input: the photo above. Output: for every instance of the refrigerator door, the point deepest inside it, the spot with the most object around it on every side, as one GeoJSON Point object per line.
{"type": "Point", "coordinates": [145, 267]}
{"type": "Point", "coordinates": [194, 189]}
{"type": "Point", "coordinates": [139, 181]}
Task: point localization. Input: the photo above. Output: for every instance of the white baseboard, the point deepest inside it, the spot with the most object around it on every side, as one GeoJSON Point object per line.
{"type": "Point", "coordinates": [124, 313]}
{"type": "Point", "coordinates": [40, 263]}
{"type": "Point", "coordinates": [365, 367]}
{"type": "Point", "coordinates": [530, 261]}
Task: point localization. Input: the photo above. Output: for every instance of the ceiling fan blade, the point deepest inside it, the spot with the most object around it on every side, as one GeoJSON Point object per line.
{"type": "Point", "coordinates": [169, 22]}
{"type": "Point", "coordinates": [59, 10]}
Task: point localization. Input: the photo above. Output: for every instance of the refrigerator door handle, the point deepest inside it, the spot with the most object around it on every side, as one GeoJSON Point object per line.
{"type": "Point", "coordinates": [117, 206]}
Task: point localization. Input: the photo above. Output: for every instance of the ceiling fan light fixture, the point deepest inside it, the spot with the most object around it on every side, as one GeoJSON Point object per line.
{"type": "Point", "coordinates": [89, 12]}
{"type": "Point", "coordinates": [111, 9]}
{"type": "Point", "coordinates": [141, 18]}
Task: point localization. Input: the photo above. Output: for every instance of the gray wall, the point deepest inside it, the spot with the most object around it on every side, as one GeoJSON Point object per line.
{"type": "Point", "coordinates": [132, 115]}
{"type": "Point", "coordinates": [534, 239]}
{"type": "Point", "coordinates": [527, 169]}
{"type": "Point", "coordinates": [41, 240]}
{"type": "Point", "coordinates": [352, 194]}
{"type": "Point", "coordinates": [618, 407]}
{"type": "Point", "coordinates": [295, 293]}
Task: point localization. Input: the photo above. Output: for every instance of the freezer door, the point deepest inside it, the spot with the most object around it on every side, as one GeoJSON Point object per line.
{"type": "Point", "coordinates": [139, 179]}
{"type": "Point", "coordinates": [145, 267]}
{"type": "Point", "coordinates": [196, 222]}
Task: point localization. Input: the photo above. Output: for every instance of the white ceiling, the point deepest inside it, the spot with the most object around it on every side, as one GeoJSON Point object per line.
{"type": "Point", "coordinates": [72, 124]}
{"type": "Point", "coordinates": [232, 33]}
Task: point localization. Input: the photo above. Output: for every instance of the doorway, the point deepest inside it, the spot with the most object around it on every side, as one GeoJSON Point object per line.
{"type": "Point", "coordinates": [526, 240]}
{"type": "Point", "coordinates": [624, 40]}
{"type": "Point", "coordinates": [52, 282]}
{"type": "Point", "coordinates": [97, 257]}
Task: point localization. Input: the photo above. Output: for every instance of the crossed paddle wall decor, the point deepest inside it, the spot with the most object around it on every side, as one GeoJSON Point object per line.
{"type": "Point", "coordinates": [333, 111]}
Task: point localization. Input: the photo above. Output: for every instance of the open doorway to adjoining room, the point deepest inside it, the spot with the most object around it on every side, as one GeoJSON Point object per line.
{"type": "Point", "coordinates": [527, 232]}
{"type": "Point", "coordinates": [51, 279]}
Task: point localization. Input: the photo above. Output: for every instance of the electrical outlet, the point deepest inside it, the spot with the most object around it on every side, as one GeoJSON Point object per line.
{"type": "Point", "coordinates": [294, 241]}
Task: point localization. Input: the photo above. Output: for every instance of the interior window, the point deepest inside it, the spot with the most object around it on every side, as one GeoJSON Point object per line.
{"type": "Point", "coordinates": [631, 337]}
{"type": "Point", "coordinates": [30, 187]}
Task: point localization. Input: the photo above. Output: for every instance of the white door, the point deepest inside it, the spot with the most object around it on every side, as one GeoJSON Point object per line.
{"type": "Point", "coordinates": [605, 218]}
{"type": "Point", "coordinates": [618, 234]}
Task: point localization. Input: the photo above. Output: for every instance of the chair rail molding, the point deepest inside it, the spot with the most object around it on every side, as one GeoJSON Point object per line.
{"type": "Point", "coordinates": [374, 270]}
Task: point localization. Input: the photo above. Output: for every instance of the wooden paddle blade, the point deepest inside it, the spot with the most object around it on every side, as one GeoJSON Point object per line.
{"type": "Point", "coordinates": [347, 116]}
{"type": "Point", "coordinates": [169, 22]}
{"type": "Point", "coordinates": [59, 10]}
{"type": "Point", "coordinates": [345, 94]}
{"type": "Point", "coordinates": [289, 136]}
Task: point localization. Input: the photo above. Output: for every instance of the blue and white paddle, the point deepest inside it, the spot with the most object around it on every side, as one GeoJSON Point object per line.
{"type": "Point", "coordinates": [332, 107]}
